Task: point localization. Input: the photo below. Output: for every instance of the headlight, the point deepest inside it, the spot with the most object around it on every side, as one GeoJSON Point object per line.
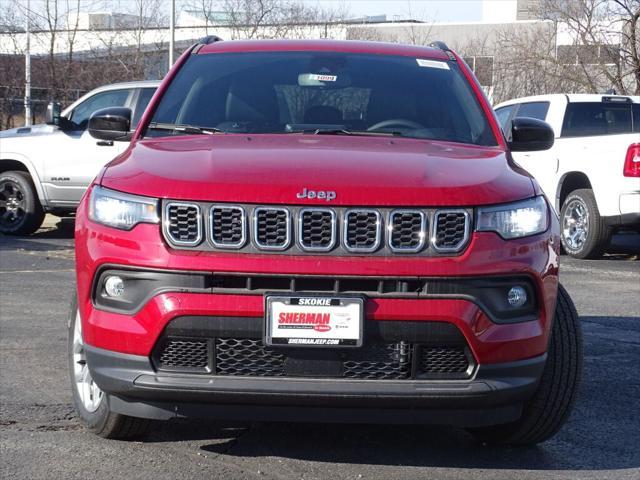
{"type": "Point", "coordinates": [121, 210]}
{"type": "Point", "coordinates": [514, 220]}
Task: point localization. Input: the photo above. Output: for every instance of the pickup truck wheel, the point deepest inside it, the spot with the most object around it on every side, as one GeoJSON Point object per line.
{"type": "Point", "coordinates": [550, 406]}
{"type": "Point", "coordinates": [584, 233]}
{"type": "Point", "coordinates": [20, 209]}
{"type": "Point", "coordinates": [90, 402]}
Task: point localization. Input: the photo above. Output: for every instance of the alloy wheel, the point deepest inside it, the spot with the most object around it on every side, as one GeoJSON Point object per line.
{"type": "Point", "coordinates": [89, 393]}
{"type": "Point", "coordinates": [575, 224]}
{"type": "Point", "coordinates": [12, 204]}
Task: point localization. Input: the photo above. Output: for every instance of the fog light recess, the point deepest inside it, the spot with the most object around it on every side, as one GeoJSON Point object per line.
{"type": "Point", "coordinates": [114, 286]}
{"type": "Point", "coordinates": [517, 296]}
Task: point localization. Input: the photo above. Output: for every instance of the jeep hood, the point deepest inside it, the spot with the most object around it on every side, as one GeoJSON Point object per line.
{"type": "Point", "coordinates": [363, 170]}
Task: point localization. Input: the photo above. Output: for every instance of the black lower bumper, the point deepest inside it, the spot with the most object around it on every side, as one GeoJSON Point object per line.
{"type": "Point", "coordinates": [494, 395]}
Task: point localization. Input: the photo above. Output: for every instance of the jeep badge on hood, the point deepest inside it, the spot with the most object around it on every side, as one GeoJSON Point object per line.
{"type": "Point", "coordinates": [320, 194]}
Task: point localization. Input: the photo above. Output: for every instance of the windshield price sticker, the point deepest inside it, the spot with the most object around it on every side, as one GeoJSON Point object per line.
{"type": "Point", "coordinates": [314, 321]}
{"type": "Point", "coordinates": [432, 63]}
{"type": "Point", "coordinates": [322, 78]}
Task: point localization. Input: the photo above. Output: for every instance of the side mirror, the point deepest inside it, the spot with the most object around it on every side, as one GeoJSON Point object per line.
{"type": "Point", "coordinates": [530, 135]}
{"type": "Point", "coordinates": [113, 123]}
{"type": "Point", "coordinates": [52, 115]}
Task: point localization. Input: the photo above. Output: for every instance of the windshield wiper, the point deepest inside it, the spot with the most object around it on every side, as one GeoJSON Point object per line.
{"type": "Point", "coordinates": [186, 129]}
{"type": "Point", "coordinates": [342, 131]}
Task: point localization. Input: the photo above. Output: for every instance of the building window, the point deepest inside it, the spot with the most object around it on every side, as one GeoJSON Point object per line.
{"type": "Point", "coordinates": [588, 54]}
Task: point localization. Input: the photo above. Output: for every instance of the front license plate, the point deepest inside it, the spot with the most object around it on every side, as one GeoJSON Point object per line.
{"type": "Point", "coordinates": [313, 321]}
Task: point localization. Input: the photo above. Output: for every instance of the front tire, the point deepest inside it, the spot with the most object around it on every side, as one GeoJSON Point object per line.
{"type": "Point", "coordinates": [545, 413]}
{"type": "Point", "coordinates": [20, 210]}
{"type": "Point", "coordinates": [90, 402]}
{"type": "Point", "coordinates": [584, 233]}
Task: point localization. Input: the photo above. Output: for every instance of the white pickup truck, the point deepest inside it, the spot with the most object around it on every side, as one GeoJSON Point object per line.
{"type": "Point", "coordinates": [592, 173]}
{"type": "Point", "coordinates": [47, 168]}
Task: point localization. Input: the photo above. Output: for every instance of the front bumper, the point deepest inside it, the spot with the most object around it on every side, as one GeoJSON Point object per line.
{"type": "Point", "coordinates": [495, 394]}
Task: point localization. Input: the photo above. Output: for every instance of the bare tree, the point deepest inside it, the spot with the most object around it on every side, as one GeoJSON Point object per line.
{"type": "Point", "coordinates": [598, 43]}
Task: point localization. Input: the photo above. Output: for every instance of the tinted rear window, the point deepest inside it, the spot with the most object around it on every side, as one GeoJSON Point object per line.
{"type": "Point", "coordinates": [636, 117]}
{"type": "Point", "coordinates": [534, 110]}
{"type": "Point", "coordinates": [284, 92]}
{"type": "Point", "coordinates": [596, 118]}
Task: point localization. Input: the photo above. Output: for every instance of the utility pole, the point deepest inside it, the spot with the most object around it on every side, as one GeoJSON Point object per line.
{"type": "Point", "coordinates": [172, 28]}
{"type": "Point", "coordinates": [27, 68]}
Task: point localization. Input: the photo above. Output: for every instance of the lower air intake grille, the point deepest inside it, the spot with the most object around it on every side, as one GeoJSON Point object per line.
{"type": "Point", "coordinates": [390, 361]}
{"type": "Point", "coordinates": [247, 357]}
{"type": "Point", "coordinates": [185, 354]}
{"type": "Point", "coordinates": [444, 361]}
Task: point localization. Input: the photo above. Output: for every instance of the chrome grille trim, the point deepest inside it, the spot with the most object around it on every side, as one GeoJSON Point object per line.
{"type": "Point", "coordinates": [166, 224]}
{"type": "Point", "coordinates": [423, 234]}
{"type": "Point", "coordinates": [263, 246]}
{"type": "Point", "coordinates": [345, 230]}
{"type": "Point", "coordinates": [334, 233]}
{"type": "Point", "coordinates": [434, 230]}
{"type": "Point", "coordinates": [243, 226]}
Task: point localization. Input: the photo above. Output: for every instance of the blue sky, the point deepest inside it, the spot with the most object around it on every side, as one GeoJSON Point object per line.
{"type": "Point", "coordinates": [433, 10]}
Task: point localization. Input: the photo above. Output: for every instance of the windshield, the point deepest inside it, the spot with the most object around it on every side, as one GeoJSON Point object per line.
{"type": "Point", "coordinates": [321, 92]}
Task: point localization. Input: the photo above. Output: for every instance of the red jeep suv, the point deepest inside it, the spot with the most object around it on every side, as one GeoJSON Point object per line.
{"type": "Point", "coordinates": [321, 231]}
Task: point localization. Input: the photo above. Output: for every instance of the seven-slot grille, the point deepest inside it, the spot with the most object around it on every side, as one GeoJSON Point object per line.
{"type": "Point", "coordinates": [451, 230]}
{"type": "Point", "coordinates": [316, 229]}
{"type": "Point", "coordinates": [228, 226]}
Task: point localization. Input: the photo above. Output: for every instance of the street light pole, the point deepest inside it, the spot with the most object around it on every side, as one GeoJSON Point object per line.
{"type": "Point", "coordinates": [172, 28]}
{"type": "Point", "coordinates": [27, 69]}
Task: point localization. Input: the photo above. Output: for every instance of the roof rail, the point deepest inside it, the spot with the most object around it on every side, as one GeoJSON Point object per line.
{"type": "Point", "coordinates": [440, 44]}
{"type": "Point", "coordinates": [209, 39]}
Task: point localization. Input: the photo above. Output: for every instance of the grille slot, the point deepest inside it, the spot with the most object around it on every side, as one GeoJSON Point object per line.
{"type": "Point", "coordinates": [183, 224]}
{"type": "Point", "coordinates": [317, 229]}
{"type": "Point", "coordinates": [228, 226]}
{"type": "Point", "coordinates": [362, 230]}
{"type": "Point", "coordinates": [272, 227]}
{"type": "Point", "coordinates": [451, 230]}
{"type": "Point", "coordinates": [191, 354]}
{"type": "Point", "coordinates": [451, 361]}
{"type": "Point", "coordinates": [408, 230]}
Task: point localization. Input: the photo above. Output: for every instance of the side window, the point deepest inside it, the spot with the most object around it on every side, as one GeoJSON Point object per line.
{"type": "Point", "coordinates": [112, 98]}
{"type": "Point", "coordinates": [534, 110]}
{"type": "Point", "coordinates": [596, 118]}
{"type": "Point", "coordinates": [503, 114]}
{"type": "Point", "coordinates": [143, 100]}
{"type": "Point", "coordinates": [636, 117]}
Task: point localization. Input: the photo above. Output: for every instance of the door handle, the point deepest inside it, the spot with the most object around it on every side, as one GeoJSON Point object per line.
{"type": "Point", "coordinates": [105, 143]}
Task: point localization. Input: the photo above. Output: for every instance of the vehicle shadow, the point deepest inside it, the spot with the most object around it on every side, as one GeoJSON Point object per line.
{"type": "Point", "coordinates": [600, 435]}
{"type": "Point", "coordinates": [60, 230]}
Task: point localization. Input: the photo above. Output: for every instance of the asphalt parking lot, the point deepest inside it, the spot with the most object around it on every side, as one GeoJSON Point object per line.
{"type": "Point", "coordinates": [40, 437]}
